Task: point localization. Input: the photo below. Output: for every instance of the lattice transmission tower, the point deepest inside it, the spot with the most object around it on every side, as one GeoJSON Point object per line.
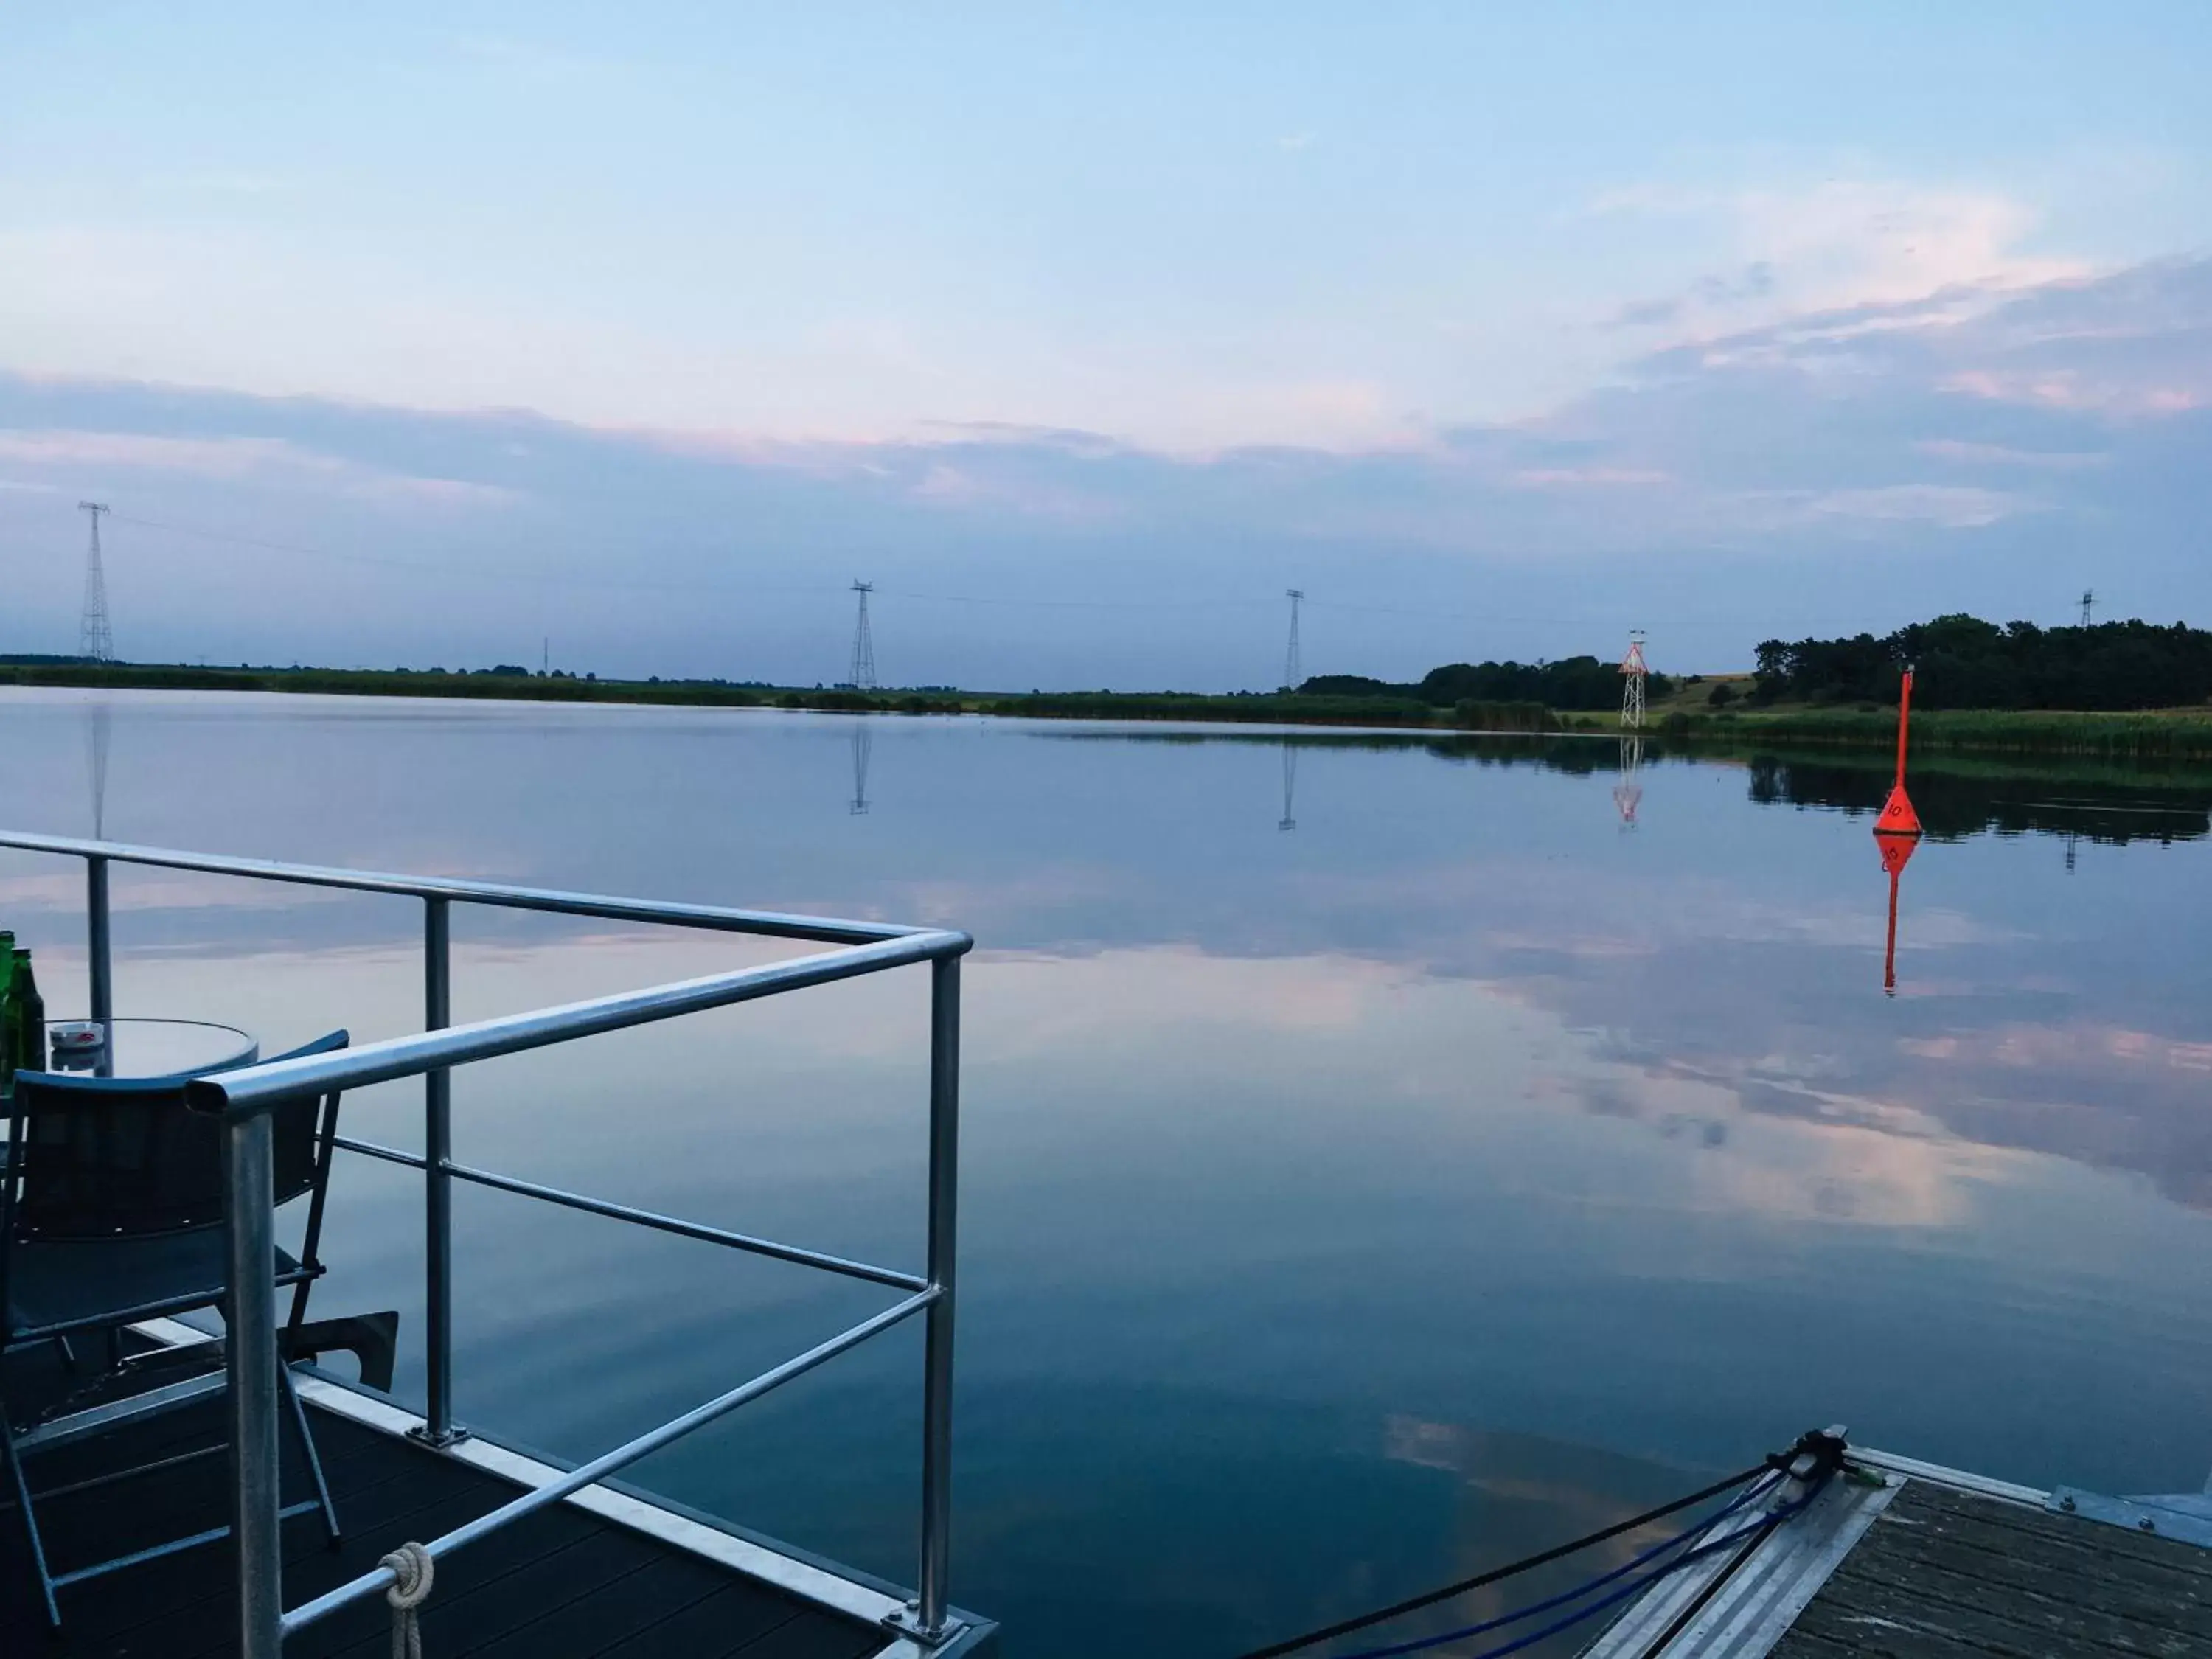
{"type": "Point", "coordinates": [863, 677]}
{"type": "Point", "coordinates": [2089, 598]}
{"type": "Point", "coordinates": [1294, 671]}
{"type": "Point", "coordinates": [1633, 673]}
{"type": "Point", "coordinates": [95, 642]}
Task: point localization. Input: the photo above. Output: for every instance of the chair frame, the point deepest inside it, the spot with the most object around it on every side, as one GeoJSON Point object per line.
{"type": "Point", "coordinates": [109, 1320]}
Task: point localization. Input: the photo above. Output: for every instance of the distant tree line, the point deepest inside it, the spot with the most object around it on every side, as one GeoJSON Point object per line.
{"type": "Point", "coordinates": [1963, 662]}
{"type": "Point", "coordinates": [1573, 683]}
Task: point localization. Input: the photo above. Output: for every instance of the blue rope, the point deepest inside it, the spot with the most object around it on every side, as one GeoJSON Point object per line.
{"type": "Point", "coordinates": [1618, 1596]}
{"type": "Point", "coordinates": [1600, 1582]}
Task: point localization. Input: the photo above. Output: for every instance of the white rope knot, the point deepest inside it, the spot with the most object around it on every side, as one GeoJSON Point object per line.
{"type": "Point", "coordinates": [412, 1572]}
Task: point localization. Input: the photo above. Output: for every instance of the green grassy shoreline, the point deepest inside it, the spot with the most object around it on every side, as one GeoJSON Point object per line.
{"type": "Point", "coordinates": [2157, 735]}
{"type": "Point", "coordinates": [1269, 709]}
{"type": "Point", "coordinates": [2153, 736]}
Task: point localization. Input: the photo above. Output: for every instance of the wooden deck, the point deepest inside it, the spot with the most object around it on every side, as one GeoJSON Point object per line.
{"type": "Point", "coordinates": [1907, 1560]}
{"type": "Point", "coordinates": [567, 1582]}
{"type": "Point", "coordinates": [1950, 1575]}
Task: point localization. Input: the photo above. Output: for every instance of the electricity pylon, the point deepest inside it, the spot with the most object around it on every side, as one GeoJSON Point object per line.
{"type": "Point", "coordinates": [863, 677]}
{"type": "Point", "coordinates": [94, 641]}
{"type": "Point", "coordinates": [1632, 676]}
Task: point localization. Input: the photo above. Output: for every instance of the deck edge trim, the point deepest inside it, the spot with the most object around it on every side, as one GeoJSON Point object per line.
{"type": "Point", "coordinates": [809, 1582]}
{"type": "Point", "coordinates": [1756, 1595]}
{"type": "Point", "coordinates": [1939, 1474]}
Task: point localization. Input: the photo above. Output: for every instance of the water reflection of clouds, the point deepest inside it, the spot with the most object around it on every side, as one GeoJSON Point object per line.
{"type": "Point", "coordinates": [1769, 1001]}
{"type": "Point", "coordinates": [1484, 1064]}
{"type": "Point", "coordinates": [1731, 943]}
{"type": "Point", "coordinates": [1830, 1159]}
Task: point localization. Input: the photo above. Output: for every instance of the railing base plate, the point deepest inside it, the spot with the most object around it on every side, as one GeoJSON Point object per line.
{"type": "Point", "coordinates": [907, 1622]}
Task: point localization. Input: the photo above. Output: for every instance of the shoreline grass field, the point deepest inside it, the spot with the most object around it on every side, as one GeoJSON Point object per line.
{"type": "Point", "coordinates": [2160, 734]}
{"type": "Point", "coordinates": [1267, 708]}
{"type": "Point", "coordinates": [2151, 734]}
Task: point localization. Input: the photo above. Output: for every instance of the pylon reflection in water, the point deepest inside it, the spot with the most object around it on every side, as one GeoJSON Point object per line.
{"type": "Point", "coordinates": [97, 716]}
{"type": "Point", "coordinates": [1628, 793]}
{"type": "Point", "coordinates": [863, 745]}
{"type": "Point", "coordinates": [1290, 818]}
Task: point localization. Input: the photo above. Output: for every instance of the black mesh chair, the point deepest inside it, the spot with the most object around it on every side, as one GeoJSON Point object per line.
{"type": "Point", "coordinates": [111, 1211]}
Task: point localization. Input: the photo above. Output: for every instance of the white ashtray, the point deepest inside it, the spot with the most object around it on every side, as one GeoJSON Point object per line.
{"type": "Point", "coordinates": [77, 1036]}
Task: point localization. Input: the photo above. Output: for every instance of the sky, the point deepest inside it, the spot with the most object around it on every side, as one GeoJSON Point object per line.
{"type": "Point", "coordinates": [627, 338]}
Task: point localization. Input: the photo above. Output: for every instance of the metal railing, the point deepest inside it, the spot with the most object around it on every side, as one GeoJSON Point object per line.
{"type": "Point", "coordinates": [242, 1099]}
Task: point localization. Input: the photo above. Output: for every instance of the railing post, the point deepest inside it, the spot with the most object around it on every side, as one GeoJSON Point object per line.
{"type": "Point", "coordinates": [944, 1227]}
{"type": "Point", "coordinates": [249, 1358]}
{"type": "Point", "coordinates": [437, 1182]}
{"type": "Point", "coordinates": [98, 959]}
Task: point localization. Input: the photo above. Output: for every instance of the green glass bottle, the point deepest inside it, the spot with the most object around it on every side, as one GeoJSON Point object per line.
{"type": "Point", "coordinates": [7, 1011]}
{"type": "Point", "coordinates": [28, 1010]}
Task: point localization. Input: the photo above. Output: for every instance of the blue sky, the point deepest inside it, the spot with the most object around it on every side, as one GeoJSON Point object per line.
{"type": "Point", "coordinates": [1085, 332]}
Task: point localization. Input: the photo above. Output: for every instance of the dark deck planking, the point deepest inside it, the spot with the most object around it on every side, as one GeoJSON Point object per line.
{"type": "Point", "coordinates": [1945, 1575]}
{"type": "Point", "coordinates": [561, 1584]}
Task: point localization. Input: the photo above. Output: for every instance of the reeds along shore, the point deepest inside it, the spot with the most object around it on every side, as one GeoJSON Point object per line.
{"type": "Point", "coordinates": [1274, 708]}
{"type": "Point", "coordinates": [2176, 734]}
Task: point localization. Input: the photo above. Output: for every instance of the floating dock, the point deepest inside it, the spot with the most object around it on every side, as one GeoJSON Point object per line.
{"type": "Point", "coordinates": [609, 1573]}
{"type": "Point", "coordinates": [1912, 1560]}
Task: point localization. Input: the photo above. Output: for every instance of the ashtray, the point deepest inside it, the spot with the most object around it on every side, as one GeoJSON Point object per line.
{"type": "Point", "coordinates": [77, 1036]}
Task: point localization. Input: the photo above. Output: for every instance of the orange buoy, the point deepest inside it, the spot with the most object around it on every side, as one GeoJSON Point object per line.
{"type": "Point", "coordinates": [1897, 817]}
{"type": "Point", "coordinates": [1897, 852]}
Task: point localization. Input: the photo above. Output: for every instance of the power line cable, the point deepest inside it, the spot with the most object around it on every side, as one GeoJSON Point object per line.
{"type": "Point", "coordinates": [448, 570]}
{"type": "Point", "coordinates": [694, 585]}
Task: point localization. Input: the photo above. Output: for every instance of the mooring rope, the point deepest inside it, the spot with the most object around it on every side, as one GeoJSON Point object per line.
{"type": "Point", "coordinates": [1757, 1532]}
{"type": "Point", "coordinates": [412, 1572]}
{"type": "Point", "coordinates": [1827, 1451]}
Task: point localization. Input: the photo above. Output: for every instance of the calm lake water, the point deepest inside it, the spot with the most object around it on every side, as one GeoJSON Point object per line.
{"type": "Point", "coordinates": [1359, 1186]}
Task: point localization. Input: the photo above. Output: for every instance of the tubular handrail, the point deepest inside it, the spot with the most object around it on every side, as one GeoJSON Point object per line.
{"type": "Point", "coordinates": [241, 1097]}
{"type": "Point", "coordinates": [769, 924]}
{"type": "Point", "coordinates": [606, 1463]}
{"type": "Point", "coordinates": [649, 1218]}
{"type": "Point", "coordinates": [256, 1087]}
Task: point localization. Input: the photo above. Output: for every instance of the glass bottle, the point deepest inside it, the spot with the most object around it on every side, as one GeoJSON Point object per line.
{"type": "Point", "coordinates": [8, 1019]}
{"type": "Point", "coordinates": [28, 1010]}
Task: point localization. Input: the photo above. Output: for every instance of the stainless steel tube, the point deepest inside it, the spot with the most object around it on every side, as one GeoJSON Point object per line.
{"type": "Point", "coordinates": [513, 1034]}
{"type": "Point", "coordinates": [437, 1184]}
{"type": "Point", "coordinates": [944, 1232]}
{"type": "Point", "coordinates": [99, 962]}
{"type": "Point", "coordinates": [637, 1217]}
{"type": "Point", "coordinates": [250, 1357]}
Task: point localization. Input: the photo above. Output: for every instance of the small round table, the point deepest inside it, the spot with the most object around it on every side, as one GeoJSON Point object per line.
{"type": "Point", "coordinates": [158, 1048]}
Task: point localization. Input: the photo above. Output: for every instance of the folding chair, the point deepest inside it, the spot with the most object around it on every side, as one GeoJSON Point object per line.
{"type": "Point", "coordinates": [111, 1211]}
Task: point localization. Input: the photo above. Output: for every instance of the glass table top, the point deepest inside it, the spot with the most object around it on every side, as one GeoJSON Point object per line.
{"type": "Point", "coordinates": [150, 1047]}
